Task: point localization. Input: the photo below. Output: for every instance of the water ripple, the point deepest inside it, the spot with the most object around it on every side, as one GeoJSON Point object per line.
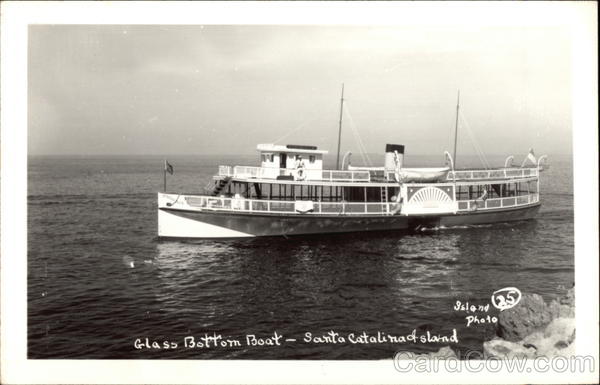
{"type": "Point", "coordinates": [98, 278]}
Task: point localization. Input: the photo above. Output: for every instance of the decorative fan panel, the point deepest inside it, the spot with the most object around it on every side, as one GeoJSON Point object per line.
{"type": "Point", "coordinates": [428, 195]}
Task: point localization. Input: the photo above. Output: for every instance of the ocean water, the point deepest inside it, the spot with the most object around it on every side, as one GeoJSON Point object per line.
{"type": "Point", "coordinates": [100, 283]}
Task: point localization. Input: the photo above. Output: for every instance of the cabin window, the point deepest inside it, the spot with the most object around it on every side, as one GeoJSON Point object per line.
{"type": "Point", "coordinates": [311, 158]}
{"type": "Point", "coordinates": [282, 160]}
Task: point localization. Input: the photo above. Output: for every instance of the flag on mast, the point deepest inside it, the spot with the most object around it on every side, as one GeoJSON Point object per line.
{"type": "Point", "coordinates": [168, 167]}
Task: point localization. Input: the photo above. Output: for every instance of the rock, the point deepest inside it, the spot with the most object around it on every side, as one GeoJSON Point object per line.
{"type": "Point", "coordinates": [499, 348]}
{"type": "Point", "coordinates": [560, 328]}
{"type": "Point", "coordinates": [534, 328]}
{"type": "Point", "coordinates": [571, 338]}
{"type": "Point", "coordinates": [558, 310]}
{"type": "Point", "coordinates": [554, 343]}
{"type": "Point", "coordinates": [561, 345]}
{"type": "Point", "coordinates": [530, 314]}
{"type": "Point", "coordinates": [569, 298]}
{"type": "Point", "coordinates": [557, 339]}
{"type": "Point", "coordinates": [445, 352]}
{"type": "Point", "coordinates": [563, 306]}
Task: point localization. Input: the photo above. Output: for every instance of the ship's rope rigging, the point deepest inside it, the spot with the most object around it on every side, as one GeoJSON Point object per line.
{"type": "Point", "coordinates": [294, 130]}
{"type": "Point", "coordinates": [311, 119]}
{"type": "Point", "coordinates": [362, 148]}
{"type": "Point", "coordinates": [355, 133]}
{"type": "Point", "coordinates": [359, 142]}
{"type": "Point", "coordinates": [474, 142]}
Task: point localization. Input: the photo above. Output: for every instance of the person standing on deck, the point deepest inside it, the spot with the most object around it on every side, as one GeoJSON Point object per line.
{"type": "Point", "coordinates": [300, 167]}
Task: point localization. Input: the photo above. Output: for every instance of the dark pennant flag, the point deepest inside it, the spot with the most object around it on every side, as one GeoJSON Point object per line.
{"type": "Point", "coordinates": [168, 167]}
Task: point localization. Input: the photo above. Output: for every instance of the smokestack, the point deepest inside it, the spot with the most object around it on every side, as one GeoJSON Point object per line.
{"type": "Point", "coordinates": [390, 149]}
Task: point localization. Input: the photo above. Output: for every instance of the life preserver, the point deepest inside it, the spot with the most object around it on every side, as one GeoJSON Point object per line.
{"type": "Point", "coordinates": [304, 207]}
{"type": "Point", "coordinates": [397, 207]}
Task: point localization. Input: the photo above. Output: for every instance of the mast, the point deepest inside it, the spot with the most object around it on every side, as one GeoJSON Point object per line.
{"type": "Point", "coordinates": [456, 128]}
{"type": "Point", "coordinates": [337, 159]}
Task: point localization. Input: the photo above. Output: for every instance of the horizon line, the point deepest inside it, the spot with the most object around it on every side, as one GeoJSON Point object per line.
{"type": "Point", "coordinates": [251, 154]}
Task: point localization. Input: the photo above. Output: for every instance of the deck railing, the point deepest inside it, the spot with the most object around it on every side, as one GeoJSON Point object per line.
{"type": "Point", "coordinates": [286, 207]}
{"type": "Point", "coordinates": [505, 173]}
{"type": "Point", "coordinates": [225, 171]}
{"type": "Point", "coordinates": [273, 173]}
{"type": "Point", "coordinates": [497, 203]}
{"type": "Point", "coordinates": [365, 176]}
{"type": "Point", "coordinates": [202, 203]}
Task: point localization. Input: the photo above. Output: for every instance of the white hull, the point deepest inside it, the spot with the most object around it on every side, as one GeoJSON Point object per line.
{"type": "Point", "coordinates": [174, 226]}
{"type": "Point", "coordinates": [208, 217]}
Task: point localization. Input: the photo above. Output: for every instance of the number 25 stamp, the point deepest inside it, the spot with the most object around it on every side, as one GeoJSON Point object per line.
{"type": "Point", "coordinates": [506, 298]}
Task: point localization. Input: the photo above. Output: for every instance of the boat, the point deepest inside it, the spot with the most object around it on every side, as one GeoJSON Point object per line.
{"type": "Point", "coordinates": [290, 193]}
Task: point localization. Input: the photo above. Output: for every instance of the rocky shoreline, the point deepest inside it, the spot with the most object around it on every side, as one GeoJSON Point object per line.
{"type": "Point", "coordinates": [534, 328]}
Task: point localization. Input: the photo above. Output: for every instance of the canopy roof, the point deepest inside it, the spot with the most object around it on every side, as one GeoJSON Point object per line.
{"type": "Point", "coordinates": [296, 149]}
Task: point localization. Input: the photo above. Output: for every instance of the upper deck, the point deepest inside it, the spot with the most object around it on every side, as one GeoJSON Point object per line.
{"type": "Point", "coordinates": [303, 165]}
{"type": "Point", "coordinates": [289, 175]}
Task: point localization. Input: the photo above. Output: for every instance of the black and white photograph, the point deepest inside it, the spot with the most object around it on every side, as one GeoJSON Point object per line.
{"type": "Point", "coordinates": [249, 190]}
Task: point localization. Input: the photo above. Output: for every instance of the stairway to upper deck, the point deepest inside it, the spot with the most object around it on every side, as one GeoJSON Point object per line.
{"type": "Point", "coordinates": [221, 185]}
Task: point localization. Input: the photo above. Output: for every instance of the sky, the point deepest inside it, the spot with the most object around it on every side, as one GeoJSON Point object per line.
{"type": "Point", "coordinates": [222, 89]}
